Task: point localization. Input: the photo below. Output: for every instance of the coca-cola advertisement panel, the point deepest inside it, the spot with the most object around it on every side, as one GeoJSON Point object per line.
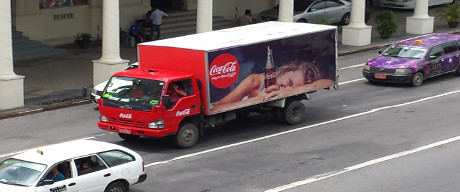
{"type": "Point", "coordinates": [247, 75]}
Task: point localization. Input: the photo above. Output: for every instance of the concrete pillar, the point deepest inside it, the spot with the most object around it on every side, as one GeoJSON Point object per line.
{"type": "Point", "coordinates": [204, 16]}
{"type": "Point", "coordinates": [357, 33]}
{"type": "Point", "coordinates": [286, 11]}
{"type": "Point", "coordinates": [420, 22]}
{"type": "Point", "coordinates": [11, 85]}
{"type": "Point", "coordinates": [110, 62]}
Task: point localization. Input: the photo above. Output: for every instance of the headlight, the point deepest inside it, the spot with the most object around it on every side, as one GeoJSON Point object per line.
{"type": "Point", "coordinates": [403, 71]}
{"type": "Point", "coordinates": [103, 118]}
{"type": "Point", "coordinates": [367, 67]}
{"type": "Point", "coordinates": [159, 124]}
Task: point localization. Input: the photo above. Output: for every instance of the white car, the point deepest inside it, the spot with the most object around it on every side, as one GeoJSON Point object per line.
{"type": "Point", "coordinates": [81, 165]}
{"type": "Point", "coordinates": [99, 88]}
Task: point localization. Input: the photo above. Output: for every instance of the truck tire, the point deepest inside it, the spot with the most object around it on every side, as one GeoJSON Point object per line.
{"type": "Point", "coordinates": [293, 113]}
{"type": "Point", "coordinates": [187, 135]}
{"type": "Point", "coordinates": [128, 137]}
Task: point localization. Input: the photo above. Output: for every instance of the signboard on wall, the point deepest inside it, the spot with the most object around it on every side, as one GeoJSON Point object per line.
{"type": "Point", "coordinates": [49, 4]}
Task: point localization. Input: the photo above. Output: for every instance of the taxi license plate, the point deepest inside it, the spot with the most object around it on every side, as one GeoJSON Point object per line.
{"type": "Point", "coordinates": [124, 130]}
{"type": "Point", "coordinates": [380, 76]}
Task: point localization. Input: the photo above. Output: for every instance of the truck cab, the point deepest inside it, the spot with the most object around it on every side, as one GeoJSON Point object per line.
{"type": "Point", "coordinates": [137, 102]}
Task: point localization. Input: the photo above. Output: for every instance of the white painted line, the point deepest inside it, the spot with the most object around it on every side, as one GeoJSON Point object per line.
{"type": "Point", "coordinates": [352, 81]}
{"type": "Point", "coordinates": [299, 129]}
{"type": "Point", "coordinates": [34, 110]}
{"type": "Point", "coordinates": [361, 165]}
{"type": "Point", "coordinates": [353, 66]}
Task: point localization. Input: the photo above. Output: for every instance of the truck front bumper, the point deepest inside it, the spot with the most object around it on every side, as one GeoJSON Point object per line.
{"type": "Point", "coordinates": [134, 130]}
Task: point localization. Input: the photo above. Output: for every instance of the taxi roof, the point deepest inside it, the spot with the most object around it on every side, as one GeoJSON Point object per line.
{"type": "Point", "coordinates": [52, 154]}
{"type": "Point", "coordinates": [427, 41]}
{"type": "Point", "coordinates": [156, 74]}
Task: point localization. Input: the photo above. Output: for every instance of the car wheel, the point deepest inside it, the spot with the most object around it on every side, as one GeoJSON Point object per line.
{"type": "Point", "coordinates": [346, 19]}
{"type": "Point", "coordinates": [417, 79]}
{"type": "Point", "coordinates": [187, 135]}
{"type": "Point", "coordinates": [293, 113]}
{"type": "Point", "coordinates": [116, 187]}
{"type": "Point", "coordinates": [302, 21]}
{"type": "Point", "coordinates": [457, 72]}
{"type": "Point", "coordinates": [128, 137]}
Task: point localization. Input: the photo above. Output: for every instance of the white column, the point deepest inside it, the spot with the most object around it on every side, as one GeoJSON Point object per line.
{"type": "Point", "coordinates": [357, 33]}
{"type": "Point", "coordinates": [420, 22]}
{"type": "Point", "coordinates": [110, 62]}
{"type": "Point", "coordinates": [11, 85]}
{"type": "Point", "coordinates": [204, 16]}
{"type": "Point", "coordinates": [286, 11]}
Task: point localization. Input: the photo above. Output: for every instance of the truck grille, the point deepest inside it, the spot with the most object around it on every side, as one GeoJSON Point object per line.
{"type": "Point", "coordinates": [127, 122]}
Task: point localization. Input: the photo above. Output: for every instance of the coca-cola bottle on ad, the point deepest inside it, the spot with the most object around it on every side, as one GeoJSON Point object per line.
{"type": "Point", "coordinates": [270, 78]}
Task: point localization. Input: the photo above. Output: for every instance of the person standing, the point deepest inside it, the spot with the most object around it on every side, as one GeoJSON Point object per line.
{"type": "Point", "coordinates": [157, 18]}
{"type": "Point", "coordinates": [244, 19]}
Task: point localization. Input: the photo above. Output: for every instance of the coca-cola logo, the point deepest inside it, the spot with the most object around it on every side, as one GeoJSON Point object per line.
{"type": "Point", "coordinates": [224, 70]}
{"type": "Point", "coordinates": [182, 113]}
{"type": "Point", "coordinates": [126, 116]}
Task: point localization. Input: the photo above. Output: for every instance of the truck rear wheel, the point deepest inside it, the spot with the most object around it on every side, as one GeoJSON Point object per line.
{"type": "Point", "coordinates": [187, 135]}
{"type": "Point", "coordinates": [128, 137]}
{"type": "Point", "coordinates": [293, 113]}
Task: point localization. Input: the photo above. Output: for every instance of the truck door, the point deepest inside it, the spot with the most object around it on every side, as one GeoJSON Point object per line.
{"type": "Point", "coordinates": [436, 60]}
{"type": "Point", "coordinates": [183, 102]}
{"type": "Point", "coordinates": [451, 55]}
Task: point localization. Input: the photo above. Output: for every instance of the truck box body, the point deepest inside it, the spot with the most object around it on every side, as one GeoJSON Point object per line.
{"type": "Point", "coordinates": [222, 59]}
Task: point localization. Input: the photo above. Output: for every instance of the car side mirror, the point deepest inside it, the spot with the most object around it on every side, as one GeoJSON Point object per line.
{"type": "Point", "coordinates": [432, 57]}
{"type": "Point", "coordinates": [380, 52]}
{"type": "Point", "coordinates": [46, 182]}
{"type": "Point", "coordinates": [165, 100]}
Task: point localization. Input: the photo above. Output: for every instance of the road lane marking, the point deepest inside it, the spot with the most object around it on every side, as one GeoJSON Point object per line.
{"type": "Point", "coordinates": [353, 66]}
{"type": "Point", "coordinates": [299, 129]}
{"type": "Point", "coordinates": [361, 165]}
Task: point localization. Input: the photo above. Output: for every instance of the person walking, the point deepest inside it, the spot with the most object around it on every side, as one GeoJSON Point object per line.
{"type": "Point", "coordinates": [157, 18]}
{"type": "Point", "coordinates": [244, 19]}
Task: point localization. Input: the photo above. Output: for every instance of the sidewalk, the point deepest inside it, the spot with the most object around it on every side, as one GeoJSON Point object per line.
{"type": "Point", "coordinates": [66, 80]}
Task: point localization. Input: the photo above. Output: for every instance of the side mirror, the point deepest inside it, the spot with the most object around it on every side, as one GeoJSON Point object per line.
{"type": "Point", "coordinates": [380, 52]}
{"type": "Point", "coordinates": [165, 100]}
{"type": "Point", "coordinates": [432, 57]}
{"type": "Point", "coordinates": [46, 182]}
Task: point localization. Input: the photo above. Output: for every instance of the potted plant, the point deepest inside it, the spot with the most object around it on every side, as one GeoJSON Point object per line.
{"type": "Point", "coordinates": [451, 14]}
{"type": "Point", "coordinates": [386, 24]}
{"type": "Point", "coordinates": [83, 40]}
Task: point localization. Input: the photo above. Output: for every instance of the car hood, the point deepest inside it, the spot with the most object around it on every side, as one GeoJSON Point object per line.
{"type": "Point", "coordinates": [5, 187]}
{"type": "Point", "coordinates": [270, 13]}
{"type": "Point", "coordinates": [392, 62]}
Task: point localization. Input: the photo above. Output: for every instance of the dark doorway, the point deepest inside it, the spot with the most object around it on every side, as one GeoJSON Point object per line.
{"type": "Point", "coordinates": [169, 4]}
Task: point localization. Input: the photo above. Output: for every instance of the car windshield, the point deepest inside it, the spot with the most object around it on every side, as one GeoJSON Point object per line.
{"type": "Point", "coordinates": [137, 92]}
{"type": "Point", "coordinates": [405, 52]}
{"type": "Point", "coordinates": [18, 172]}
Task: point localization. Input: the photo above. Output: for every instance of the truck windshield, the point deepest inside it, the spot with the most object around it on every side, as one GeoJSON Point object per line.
{"type": "Point", "coordinates": [405, 52]}
{"type": "Point", "coordinates": [140, 94]}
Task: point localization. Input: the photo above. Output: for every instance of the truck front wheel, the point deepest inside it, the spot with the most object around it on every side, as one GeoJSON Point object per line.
{"type": "Point", "coordinates": [187, 135]}
{"type": "Point", "coordinates": [128, 137]}
{"type": "Point", "coordinates": [293, 113]}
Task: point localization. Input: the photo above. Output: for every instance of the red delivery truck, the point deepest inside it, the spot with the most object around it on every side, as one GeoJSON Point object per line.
{"type": "Point", "coordinates": [186, 84]}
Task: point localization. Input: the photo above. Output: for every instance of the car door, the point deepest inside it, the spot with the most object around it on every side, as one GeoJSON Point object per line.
{"type": "Point", "coordinates": [435, 61]}
{"type": "Point", "coordinates": [451, 55]}
{"type": "Point", "coordinates": [317, 12]}
{"type": "Point", "coordinates": [94, 178]}
{"type": "Point", "coordinates": [68, 184]}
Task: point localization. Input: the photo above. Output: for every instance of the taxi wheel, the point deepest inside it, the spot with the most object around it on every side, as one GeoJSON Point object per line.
{"type": "Point", "coordinates": [116, 187]}
{"type": "Point", "coordinates": [417, 79]}
{"type": "Point", "coordinates": [457, 72]}
{"type": "Point", "coordinates": [128, 137]}
{"type": "Point", "coordinates": [187, 135]}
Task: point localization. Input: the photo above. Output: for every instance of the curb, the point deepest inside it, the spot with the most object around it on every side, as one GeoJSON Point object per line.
{"type": "Point", "coordinates": [28, 111]}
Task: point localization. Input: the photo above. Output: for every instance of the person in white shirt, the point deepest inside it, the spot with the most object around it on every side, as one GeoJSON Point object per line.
{"type": "Point", "coordinates": [156, 17]}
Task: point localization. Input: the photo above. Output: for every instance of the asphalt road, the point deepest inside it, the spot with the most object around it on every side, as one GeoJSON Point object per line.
{"type": "Point", "coordinates": [362, 137]}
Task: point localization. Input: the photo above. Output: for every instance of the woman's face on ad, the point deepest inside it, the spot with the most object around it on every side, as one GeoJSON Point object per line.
{"type": "Point", "coordinates": [291, 79]}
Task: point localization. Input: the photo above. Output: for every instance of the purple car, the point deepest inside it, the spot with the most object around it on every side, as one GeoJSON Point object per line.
{"type": "Point", "coordinates": [413, 60]}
